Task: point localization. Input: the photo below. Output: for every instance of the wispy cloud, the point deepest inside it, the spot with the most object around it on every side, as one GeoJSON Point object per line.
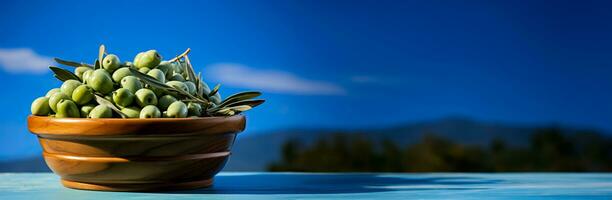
{"type": "Point", "coordinates": [23, 60]}
{"type": "Point", "coordinates": [276, 81]}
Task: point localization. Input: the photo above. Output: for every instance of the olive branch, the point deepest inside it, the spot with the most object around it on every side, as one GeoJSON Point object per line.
{"type": "Point", "coordinates": [233, 104]}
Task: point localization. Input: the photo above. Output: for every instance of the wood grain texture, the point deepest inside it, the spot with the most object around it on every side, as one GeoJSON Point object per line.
{"type": "Point", "coordinates": [136, 154]}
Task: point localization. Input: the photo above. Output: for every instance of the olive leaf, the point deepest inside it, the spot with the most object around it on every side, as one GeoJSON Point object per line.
{"type": "Point", "coordinates": [97, 65]}
{"type": "Point", "coordinates": [72, 63]}
{"type": "Point", "coordinates": [101, 52]}
{"type": "Point", "coordinates": [63, 75]}
{"type": "Point", "coordinates": [233, 110]}
{"type": "Point", "coordinates": [199, 89]}
{"type": "Point", "coordinates": [166, 88]}
{"type": "Point", "coordinates": [102, 101]}
{"type": "Point", "coordinates": [252, 103]}
{"type": "Point", "coordinates": [196, 79]}
{"type": "Point", "coordinates": [189, 70]}
{"type": "Point", "coordinates": [225, 111]}
{"type": "Point", "coordinates": [214, 90]}
{"type": "Point", "coordinates": [204, 89]}
{"type": "Point", "coordinates": [240, 108]}
{"type": "Point", "coordinates": [239, 97]}
{"type": "Point", "coordinates": [152, 81]}
{"type": "Point", "coordinates": [183, 68]}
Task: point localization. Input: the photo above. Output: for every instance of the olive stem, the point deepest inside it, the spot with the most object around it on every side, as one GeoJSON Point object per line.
{"type": "Point", "coordinates": [181, 55]}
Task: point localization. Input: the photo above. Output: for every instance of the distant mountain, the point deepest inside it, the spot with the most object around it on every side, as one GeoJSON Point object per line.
{"type": "Point", "coordinates": [34, 164]}
{"type": "Point", "coordinates": [254, 152]}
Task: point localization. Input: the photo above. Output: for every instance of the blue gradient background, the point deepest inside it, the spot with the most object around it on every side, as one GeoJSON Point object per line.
{"type": "Point", "coordinates": [511, 61]}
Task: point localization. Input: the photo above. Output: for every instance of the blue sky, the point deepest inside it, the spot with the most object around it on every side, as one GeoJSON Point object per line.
{"type": "Point", "coordinates": [334, 63]}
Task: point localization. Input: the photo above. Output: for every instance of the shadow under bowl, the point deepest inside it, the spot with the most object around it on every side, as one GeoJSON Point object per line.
{"type": "Point", "coordinates": [136, 154]}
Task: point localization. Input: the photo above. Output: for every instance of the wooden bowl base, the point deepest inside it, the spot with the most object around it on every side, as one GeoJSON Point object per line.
{"type": "Point", "coordinates": [145, 155]}
{"type": "Point", "coordinates": [138, 187]}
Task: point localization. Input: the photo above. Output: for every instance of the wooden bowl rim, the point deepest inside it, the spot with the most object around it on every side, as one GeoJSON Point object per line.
{"type": "Point", "coordinates": [131, 119]}
{"type": "Point", "coordinates": [39, 125]}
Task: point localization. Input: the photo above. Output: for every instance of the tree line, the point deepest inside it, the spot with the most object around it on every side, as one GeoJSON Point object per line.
{"type": "Point", "coordinates": [548, 149]}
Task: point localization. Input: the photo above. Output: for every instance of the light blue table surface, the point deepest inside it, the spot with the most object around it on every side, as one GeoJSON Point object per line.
{"type": "Point", "coordinates": [36, 186]}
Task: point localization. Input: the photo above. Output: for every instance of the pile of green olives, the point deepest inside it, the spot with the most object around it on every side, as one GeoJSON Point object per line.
{"type": "Point", "coordinates": [114, 80]}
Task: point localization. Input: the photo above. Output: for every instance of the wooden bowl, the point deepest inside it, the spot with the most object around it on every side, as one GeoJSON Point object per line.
{"type": "Point", "coordinates": [136, 154]}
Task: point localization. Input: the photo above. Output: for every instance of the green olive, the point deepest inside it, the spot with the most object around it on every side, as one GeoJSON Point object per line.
{"type": "Point", "coordinates": [144, 70]}
{"type": "Point", "coordinates": [191, 87]}
{"type": "Point", "coordinates": [205, 88]}
{"type": "Point", "coordinates": [169, 74]}
{"type": "Point", "coordinates": [69, 86]}
{"type": "Point", "coordinates": [145, 97]}
{"type": "Point", "coordinates": [131, 83]}
{"type": "Point", "coordinates": [67, 109]}
{"type": "Point", "coordinates": [177, 67]}
{"type": "Point", "coordinates": [79, 71]}
{"type": "Point", "coordinates": [157, 74]}
{"type": "Point", "coordinates": [86, 75]}
{"type": "Point", "coordinates": [101, 81]}
{"type": "Point", "coordinates": [127, 64]}
{"type": "Point", "coordinates": [165, 114]}
{"type": "Point", "coordinates": [150, 111]}
{"type": "Point", "coordinates": [52, 91]}
{"type": "Point", "coordinates": [56, 98]}
{"type": "Point", "coordinates": [111, 63]}
{"type": "Point", "coordinates": [82, 95]}
{"type": "Point", "coordinates": [123, 97]}
{"type": "Point", "coordinates": [177, 77]}
{"type": "Point", "coordinates": [101, 111]}
{"type": "Point", "coordinates": [137, 58]}
{"type": "Point", "coordinates": [86, 109]}
{"type": "Point", "coordinates": [184, 72]}
{"type": "Point", "coordinates": [194, 109]}
{"type": "Point", "coordinates": [148, 59]}
{"type": "Point", "coordinates": [164, 66]}
{"type": "Point", "coordinates": [120, 73]}
{"type": "Point", "coordinates": [216, 98]}
{"type": "Point", "coordinates": [40, 106]}
{"type": "Point", "coordinates": [178, 85]}
{"type": "Point", "coordinates": [177, 109]}
{"type": "Point", "coordinates": [131, 112]}
{"type": "Point", "coordinates": [165, 101]}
